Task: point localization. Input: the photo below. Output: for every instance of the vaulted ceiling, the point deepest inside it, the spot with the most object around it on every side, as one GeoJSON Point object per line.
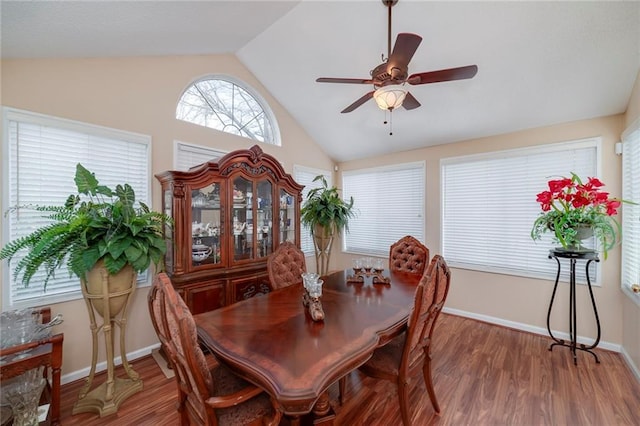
{"type": "Point", "coordinates": [539, 63]}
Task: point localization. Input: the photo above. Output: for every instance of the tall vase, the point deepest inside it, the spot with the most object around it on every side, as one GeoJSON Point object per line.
{"type": "Point", "coordinates": [323, 240]}
{"type": "Point", "coordinates": [108, 296]}
{"type": "Point", "coordinates": [23, 395]}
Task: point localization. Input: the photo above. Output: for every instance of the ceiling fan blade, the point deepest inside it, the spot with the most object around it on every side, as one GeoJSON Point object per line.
{"type": "Point", "coordinates": [449, 74]}
{"type": "Point", "coordinates": [357, 103]}
{"type": "Point", "coordinates": [404, 49]}
{"type": "Point", "coordinates": [344, 80]}
{"type": "Point", "coordinates": [410, 102]}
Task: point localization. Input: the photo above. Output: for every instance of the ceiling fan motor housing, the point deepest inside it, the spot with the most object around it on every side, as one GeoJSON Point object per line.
{"type": "Point", "coordinates": [385, 74]}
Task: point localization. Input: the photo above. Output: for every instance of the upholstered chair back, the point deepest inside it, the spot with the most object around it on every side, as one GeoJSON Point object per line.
{"type": "Point", "coordinates": [286, 265]}
{"type": "Point", "coordinates": [408, 255]}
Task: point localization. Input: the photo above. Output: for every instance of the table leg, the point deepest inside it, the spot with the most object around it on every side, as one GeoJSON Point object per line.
{"type": "Point", "coordinates": [322, 412]}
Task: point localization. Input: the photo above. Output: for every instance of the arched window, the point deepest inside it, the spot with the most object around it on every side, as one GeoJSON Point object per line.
{"type": "Point", "coordinates": [224, 103]}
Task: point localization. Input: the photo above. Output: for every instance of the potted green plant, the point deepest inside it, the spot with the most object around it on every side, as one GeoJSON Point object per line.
{"type": "Point", "coordinates": [106, 240]}
{"type": "Point", "coordinates": [325, 213]}
{"type": "Point", "coordinates": [106, 228]}
{"type": "Point", "coordinates": [573, 211]}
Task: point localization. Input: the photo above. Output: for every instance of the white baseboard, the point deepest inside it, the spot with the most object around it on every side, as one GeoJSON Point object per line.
{"type": "Point", "coordinates": [531, 329]}
{"type": "Point", "coordinates": [81, 374]}
{"type": "Point", "coordinates": [634, 369]}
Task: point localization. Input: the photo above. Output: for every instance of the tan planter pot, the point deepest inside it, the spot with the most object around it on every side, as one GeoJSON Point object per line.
{"type": "Point", "coordinates": [323, 238]}
{"type": "Point", "coordinates": [118, 283]}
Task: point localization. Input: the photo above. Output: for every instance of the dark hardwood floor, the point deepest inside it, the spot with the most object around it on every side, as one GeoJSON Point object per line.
{"type": "Point", "coordinates": [483, 375]}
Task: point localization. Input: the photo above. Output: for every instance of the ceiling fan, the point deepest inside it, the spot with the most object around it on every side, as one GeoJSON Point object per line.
{"type": "Point", "coordinates": [390, 77]}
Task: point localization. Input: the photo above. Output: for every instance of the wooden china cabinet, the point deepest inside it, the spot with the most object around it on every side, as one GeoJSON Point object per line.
{"type": "Point", "coordinates": [229, 216]}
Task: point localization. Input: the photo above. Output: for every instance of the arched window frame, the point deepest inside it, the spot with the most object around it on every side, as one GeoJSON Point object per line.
{"type": "Point", "coordinates": [270, 116]}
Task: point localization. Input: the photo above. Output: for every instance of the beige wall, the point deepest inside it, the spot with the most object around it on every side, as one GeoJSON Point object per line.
{"type": "Point", "coordinates": [511, 298]}
{"type": "Point", "coordinates": [138, 95]}
{"type": "Point", "coordinates": [631, 309]}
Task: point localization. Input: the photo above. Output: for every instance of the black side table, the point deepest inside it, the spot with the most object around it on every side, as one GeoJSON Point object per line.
{"type": "Point", "coordinates": [574, 256]}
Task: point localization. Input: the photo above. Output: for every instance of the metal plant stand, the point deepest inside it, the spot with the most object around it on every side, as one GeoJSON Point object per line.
{"type": "Point", "coordinates": [573, 257]}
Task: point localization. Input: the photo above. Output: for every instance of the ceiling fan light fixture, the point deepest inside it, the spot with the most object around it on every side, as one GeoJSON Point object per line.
{"type": "Point", "coordinates": [390, 97]}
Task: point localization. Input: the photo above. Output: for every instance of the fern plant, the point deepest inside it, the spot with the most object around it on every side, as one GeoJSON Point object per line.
{"type": "Point", "coordinates": [96, 223]}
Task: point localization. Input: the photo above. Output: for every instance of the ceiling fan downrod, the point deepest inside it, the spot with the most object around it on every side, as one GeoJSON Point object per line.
{"type": "Point", "coordinates": [389, 4]}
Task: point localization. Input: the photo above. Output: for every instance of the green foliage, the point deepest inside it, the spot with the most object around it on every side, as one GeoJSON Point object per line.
{"type": "Point", "coordinates": [324, 207]}
{"type": "Point", "coordinates": [104, 224]}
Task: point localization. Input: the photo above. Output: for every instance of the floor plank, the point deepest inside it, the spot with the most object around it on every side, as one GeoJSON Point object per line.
{"type": "Point", "coordinates": [483, 375]}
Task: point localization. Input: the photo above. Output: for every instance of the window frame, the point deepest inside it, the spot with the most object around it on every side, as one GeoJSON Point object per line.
{"type": "Point", "coordinates": [586, 143]}
{"type": "Point", "coordinates": [39, 297]}
{"type": "Point", "coordinates": [632, 131]}
{"type": "Point", "coordinates": [268, 112]}
{"type": "Point", "coordinates": [420, 224]}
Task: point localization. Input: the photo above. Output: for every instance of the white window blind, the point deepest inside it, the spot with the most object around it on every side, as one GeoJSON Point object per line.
{"type": "Point", "coordinates": [389, 204]}
{"type": "Point", "coordinates": [39, 162]}
{"type": "Point", "coordinates": [305, 176]}
{"type": "Point", "coordinates": [631, 212]}
{"type": "Point", "coordinates": [187, 155]}
{"type": "Point", "coordinates": [489, 205]}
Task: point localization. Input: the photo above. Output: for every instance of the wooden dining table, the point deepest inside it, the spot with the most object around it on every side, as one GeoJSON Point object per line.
{"type": "Point", "coordinates": [272, 341]}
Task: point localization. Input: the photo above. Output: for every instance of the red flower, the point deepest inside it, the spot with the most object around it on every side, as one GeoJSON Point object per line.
{"type": "Point", "coordinates": [580, 200]}
{"type": "Point", "coordinates": [612, 207]}
{"type": "Point", "coordinates": [595, 182]}
{"type": "Point", "coordinates": [545, 198]}
{"type": "Point", "coordinates": [559, 185]}
{"type": "Point", "coordinates": [601, 197]}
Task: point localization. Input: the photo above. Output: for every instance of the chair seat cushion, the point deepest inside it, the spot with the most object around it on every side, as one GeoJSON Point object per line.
{"type": "Point", "coordinates": [226, 383]}
{"type": "Point", "coordinates": [387, 358]}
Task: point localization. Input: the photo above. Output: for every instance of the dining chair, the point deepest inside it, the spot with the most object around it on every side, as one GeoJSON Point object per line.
{"type": "Point", "coordinates": [408, 255]}
{"type": "Point", "coordinates": [286, 265]}
{"type": "Point", "coordinates": [207, 395]}
{"type": "Point", "coordinates": [398, 359]}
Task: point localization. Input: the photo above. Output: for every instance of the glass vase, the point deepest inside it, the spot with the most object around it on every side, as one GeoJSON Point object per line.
{"type": "Point", "coordinates": [24, 396]}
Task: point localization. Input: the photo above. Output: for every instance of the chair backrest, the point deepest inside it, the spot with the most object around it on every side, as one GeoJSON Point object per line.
{"type": "Point", "coordinates": [192, 373]}
{"type": "Point", "coordinates": [430, 296]}
{"type": "Point", "coordinates": [286, 265]}
{"type": "Point", "coordinates": [408, 255]}
{"type": "Point", "coordinates": [155, 300]}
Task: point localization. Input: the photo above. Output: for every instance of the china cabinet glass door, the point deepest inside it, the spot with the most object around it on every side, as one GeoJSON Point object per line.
{"type": "Point", "coordinates": [287, 215]}
{"type": "Point", "coordinates": [251, 217]}
{"type": "Point", "coordinates": [168, 230]}
{"type": "Point", "coordinates": [206, 221]}
{"type": "Point", "coordinates": [264, 218]}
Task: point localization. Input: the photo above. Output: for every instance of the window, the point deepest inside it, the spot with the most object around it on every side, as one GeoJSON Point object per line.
{"type": "Point", "coordinates": [489, 205]}
{"type": "Point", "coordinates": [39, 158]}
{"type": "Point", "coordinates": [225, 104]}
{"type": "Point", "coordinates": [304, 176]}
{"type": "Point", "coordinates": [187, 155]}
{"type": "Point", "coordinates": [631, 212]}
{"type": "Point", "coordinates": [389, 204]}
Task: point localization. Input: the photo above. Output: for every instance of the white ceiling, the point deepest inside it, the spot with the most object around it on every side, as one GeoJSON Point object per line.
{"type": "Point", "coordinates": [540, 63]}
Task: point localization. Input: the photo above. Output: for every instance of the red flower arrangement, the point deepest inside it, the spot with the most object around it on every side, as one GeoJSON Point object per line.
{"type": "Point", "coordinates": [570, 207]}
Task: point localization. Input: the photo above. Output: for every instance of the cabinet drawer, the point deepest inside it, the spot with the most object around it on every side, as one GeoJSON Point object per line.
{"type": "Point", "coordinates": [205, 297]}
{"type": "Point", "coordinates": [247, 287]}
